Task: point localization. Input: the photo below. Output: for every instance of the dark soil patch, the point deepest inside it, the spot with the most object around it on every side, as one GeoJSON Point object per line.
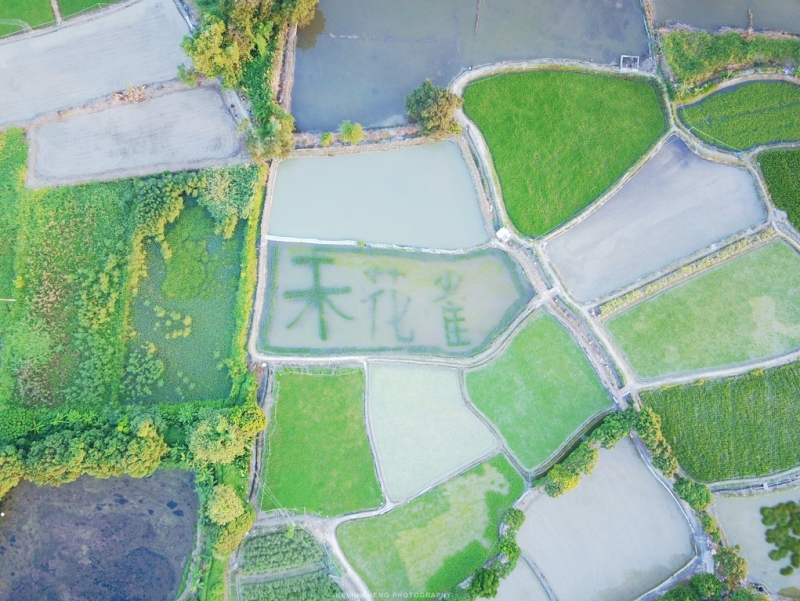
{"type": "Point", "coordinates": [121, 539]}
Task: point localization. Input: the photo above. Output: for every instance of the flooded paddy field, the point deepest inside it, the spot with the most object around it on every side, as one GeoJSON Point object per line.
{"type": "Point", "coordinates": [437, 540]}
{"type": "Point", "coordinates": [421, 196]}
{"type": "Point", "coordinates": [331, 300]}
{"type": "Point", "coordinates": [165, 133]}
{"type": "Point", "coordinates": [538, 391]}
{"type": "Point", "coordinates": [745, 309]}
{"type": "Point", "coordinates": [421, 428]}
{"type": "Point", "coordinates": [136, 45]}
{"type": "Point", "coordinates": [780, 15]}
{"type": "Point", "coordinates": [359, 59]}
{"type": "Point", "coordinates": [676, 205]}
{"type": "Point", "coordinates": [740, 518]}
{"type": "Point", "coordinates": [614, 537]}
{"type": "Point", "coordinates": [121, 538]}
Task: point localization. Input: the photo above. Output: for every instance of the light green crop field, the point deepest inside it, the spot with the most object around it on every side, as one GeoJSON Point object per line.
{"type": "Point", "coordinates": [747, 115]}
{"type": "Point", "coordinates": [538, 391]}
{"type": "Point", "coordinates": [319, 459]}
{"type": "Point", "coordinates": [72, 7]}
{"type": "Point", "coordinates": [559, 139]}
{"type": "Point", "coordinates": [437, 540]}
{"type": "Point", "coordinates": [745, 309]}
{"type": "Point", "coordinates": [733, 428]}
{"type": "Point", "coordinates": [32, 12]}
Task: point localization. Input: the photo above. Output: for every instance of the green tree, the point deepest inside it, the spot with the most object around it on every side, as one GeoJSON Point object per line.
{"type": "Point", "coordinates": [224, 505]}
{"type": "Point", "coordinates": [213, 53]}
{"type": "Point", "coordinates": [697, 495]}
{"type": "Point", "coordinates": [683, 593]}
{"type": "Point", "coordinates": [707, 586]}
{"type": "Point", "coordinates": [226, 539]}
{"type": "Point", "coordinates": [514, 518]}
{"type": "Point", "coordinates": [217, 440]}
{"type": "Point", "coordinates": [434, 109]}
{"type": "Point", "coordinates": [711, 527]}
{"type": "Point", "coordinates": [484, 583]}
{"type": "Point", "coordinates": [730, 565]}
{"type": "Point", "coordinates": [351, 133]}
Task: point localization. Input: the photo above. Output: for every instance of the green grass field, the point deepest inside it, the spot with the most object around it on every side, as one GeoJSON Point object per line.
{"type": "Point", "coordinates": [696, 56]}
{"type": "Point", "coordinates": [538, 391]}
{"type": "Point", "coordinates": [732, 428]}
{"type": "Point", "coordinates": [745, 309]}
{"type": "Point", "coordinates": [72, 7]}
{"type": "Point", "coordinates": [747, 115]}
{"type": "Point", "coordinates": [559, 139]}
{"type": "Point", "coordinates": [437, 540]}
{"type": "Point", "coordinates": [32, 12]}
{"type": "Point", "coordinates": [781, 169]}
{"type": "Point", "coordinates": [319, 458]}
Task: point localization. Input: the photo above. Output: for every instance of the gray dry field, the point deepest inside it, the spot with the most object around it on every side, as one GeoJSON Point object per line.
{"type": "Point", "coordinates": [69, 66]}
{"type": "Point", "coordinates": [421, 429]}
{"type": "Point", "coordinates": [676, 205]}
{"type": "Point", "coordinates": [187, 126]}
{"type": "Point", "coordinates": [521, 585]}
{"type": "Point", "coordinates": [616, 536]}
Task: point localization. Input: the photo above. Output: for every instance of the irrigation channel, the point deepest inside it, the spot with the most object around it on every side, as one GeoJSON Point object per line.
{"type": "Point", "coordinates": [582, 314]}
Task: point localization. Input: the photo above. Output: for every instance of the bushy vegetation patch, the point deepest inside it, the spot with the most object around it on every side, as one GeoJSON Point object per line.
{"type": "Point", "coordinates": [316, 586]}
{"type": "Point", "coordinates": [747, 115]}
{"type": "Point", "coordinates": [742, 310]}
{"type": "Point", "coordinates": [697, 56]}
{"type": "Point", "coordinates": [539, 391]}
{"type": "Point", "coordinates": [434, 109]}
{"type": "Point", "coordinates": [781, 169]}
{"type": "Point", "coordinates": [783, 531]}
{"type": "Point", "coordinates": [282, 549]}
{"type": "Point", "coordinates": [735, 427]}
{"type": "Point", "coordinates": [697, 495]}
{"type": "Point", "coordinates": [559, 139]}
{"type": "Point", "coordinates": [32, 12]}
{"type": "Point", "coordinates": [318, 458]}
{"type": "Point", "coordinates": [434, 542]}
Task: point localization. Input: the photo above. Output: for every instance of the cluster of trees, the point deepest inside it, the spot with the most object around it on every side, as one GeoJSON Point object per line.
{"type": "Point", "coordinates": [434, 108]}
{"type": "Point", "coordinates": [783, 531]}
{"type": "Point", "coordinates": [731, 570]}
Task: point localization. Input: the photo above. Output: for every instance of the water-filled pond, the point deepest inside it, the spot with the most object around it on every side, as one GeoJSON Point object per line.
{"type": "Point", "coordinates": [421, 196]}
{"type": "Point", "coordinates": [120, 538]}
{"type": "Point", "coordinates": [780, 15]}
{"type": "Point", "coordinates": [326, 300]}
{"type": "Point", "coordinates": [359, 59]}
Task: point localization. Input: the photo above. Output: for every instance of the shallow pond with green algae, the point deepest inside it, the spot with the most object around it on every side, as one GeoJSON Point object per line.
{"type": "Point", "coordinates": [184, 313]}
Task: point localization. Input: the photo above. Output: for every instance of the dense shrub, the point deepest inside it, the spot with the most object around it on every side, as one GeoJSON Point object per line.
{"type": "Point", "coordinates": [434, 109]}
{"type": "Point", "coordinates": [514, 518]}
{"type": "Point", "coordinates": [224, 505]}
{"type": "Point", "coordinates": [484, 583]}
{"type": "Point", "coordinates": [683, 593]}
{"type": "Point", "coordinates": [614, 428]}
{"type": "Point", "coordinates": [648, 425]}
{"type": "Point", "coordinates": [697, 495]}
{"type": "Point", "coordinates": [731, 566]}
{"type": "Point", "coordinates": [226, 539]}
{"type": "Point", "coordinates": [707, 586]}
{"type": "Point", "coordinates": [351, 133]}
{"type": "Point", "coordinates": [711, 527]}
{"type": "Point", "coordinates": [217, 440]}
{"type": "Point", "coordinates": [282, 549]}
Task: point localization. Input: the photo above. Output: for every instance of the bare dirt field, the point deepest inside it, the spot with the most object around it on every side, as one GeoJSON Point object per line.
{"type": "Point", "coordinates": [188, 126]}
{"type": "Point", "coordinates": [676, 205]}
{"type": "Point", "coordinates": [521, 584]}
{"type": "Point", "coordinates": [616, 536]}
{"type": "Point", "coordinates": [70, 65]}
{"type": "Point", "coordinates": [121, 538]}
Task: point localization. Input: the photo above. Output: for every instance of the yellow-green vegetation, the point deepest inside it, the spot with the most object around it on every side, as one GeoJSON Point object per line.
{"type": "Point", "coordinates": [319, 459]}
{"type": "Point", "coordinates": [697, 56]}
{"type": "Point", "coordinates": [539, 391]}
{"type": "Point", "coordinates": [781, 169]}
{"type": "Point", "coordinates": [743, 310]}
{"type": "Point", "coordinates": [747, 115]}
{"type": "Point", "coordinates": [32, 13]}
{"type": "Point", "coordinates": [735, 427]}
{"type": "Point", "coordinates": [559, 139]}
{"type": "Point", "coordinates": [436, 541]}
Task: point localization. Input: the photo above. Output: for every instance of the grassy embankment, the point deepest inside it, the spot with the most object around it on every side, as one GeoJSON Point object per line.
{"type": "Point", "coordinates": [747, 115]}
{"type": "Point", "coordinates": [781, 169]}
{"type": "Point", "coordinates": [33, 12]}
{"type": "Point", "coordinates": [559, 139]}
{"type": "Point", "coordinates": [697, 56]}
{"type": "Point", "coordinates": [319, 458]}
{"type": "Point", "coordinates": [743, 310]}
{"type": "Point", "coordinates": [70, 8]}
{"type": "Point", "coordinates": [538, 391]}
{"type": "Point", "coordinates": [434, 542]}
{"type": "Point", "coordinates": [735, 427]}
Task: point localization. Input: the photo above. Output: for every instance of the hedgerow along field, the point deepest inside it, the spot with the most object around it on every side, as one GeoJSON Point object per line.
{"type": "Point", "coordinates": [318, 458]}
{"type": "Point", "coordinates": [696, 56]}
{"type": "Point", "coordinates": [781, 169]}
{"type": "Point", "coordinates": [735, 427]}
{"type": "Point", "coordinates": [32, 12]}
{"type": "Point", "coordinates": [746, 115]}
{"type": "Point", "coordinates": [745, 309]}
{"type": "Point", "coordinates": [538, 391]}
{"type": "Point", "coordinates": [559, 139]}
{"type": "Point", "coordinates": [434, 542]}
